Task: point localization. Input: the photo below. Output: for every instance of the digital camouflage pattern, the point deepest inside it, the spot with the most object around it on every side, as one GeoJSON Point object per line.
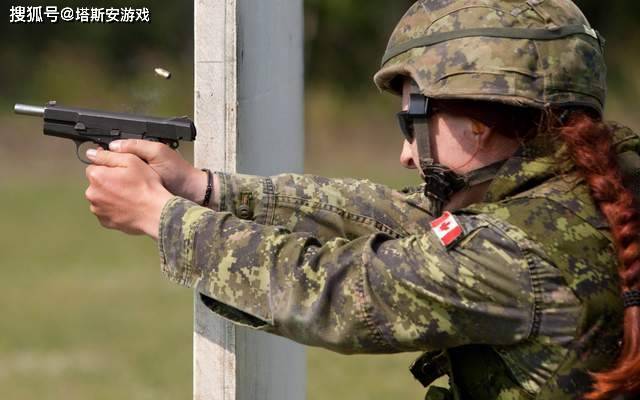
{"type": "Point", "coordinates": [530, 291]}
{"type": "Point", "coordinates": [535, 73]}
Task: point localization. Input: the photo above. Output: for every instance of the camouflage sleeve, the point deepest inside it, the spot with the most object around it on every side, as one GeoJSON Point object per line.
{"type": "Point", "coordinates": [328, 208]}
{"type": "Point", "coordinates": [372, 294]}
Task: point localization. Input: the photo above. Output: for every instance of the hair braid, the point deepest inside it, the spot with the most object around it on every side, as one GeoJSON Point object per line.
{"type": "Point", "coordinates": [590, 146]}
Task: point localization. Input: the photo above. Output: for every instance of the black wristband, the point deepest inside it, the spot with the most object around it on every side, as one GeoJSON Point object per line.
{"type": "Point", "coordinates": [207, 194]}
{"type": "Point", "coordinates": [631, 298]}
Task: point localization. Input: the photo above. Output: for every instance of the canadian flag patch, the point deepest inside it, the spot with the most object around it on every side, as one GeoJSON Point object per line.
{"type": "Point", "coordinates": [446, 228]}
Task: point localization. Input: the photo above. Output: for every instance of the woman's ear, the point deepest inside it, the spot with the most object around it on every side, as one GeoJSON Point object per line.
{"type": "Point", "coordinates": [481, 131]}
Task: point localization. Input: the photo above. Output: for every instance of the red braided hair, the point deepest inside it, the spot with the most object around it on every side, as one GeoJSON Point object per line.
{"type": "Point", "coordinates": [590, 146]}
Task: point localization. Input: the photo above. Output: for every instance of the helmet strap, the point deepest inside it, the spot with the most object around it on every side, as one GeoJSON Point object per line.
{"type": "Point", "coordinates": [441, 182]}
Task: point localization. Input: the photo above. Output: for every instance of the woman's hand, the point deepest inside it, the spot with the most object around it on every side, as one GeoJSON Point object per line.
{"type": "Point", "coordinates": [125, 193]}
{"type": "Point", "coordinates": [177, 175]}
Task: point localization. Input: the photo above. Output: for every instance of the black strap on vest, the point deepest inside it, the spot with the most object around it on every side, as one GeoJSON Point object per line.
{"type": "Point", "coordinates": [506, 33]}
{"type": "Point", "coordinates": [429, 367]}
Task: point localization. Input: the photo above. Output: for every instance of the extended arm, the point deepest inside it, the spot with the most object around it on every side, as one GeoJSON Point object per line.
{"type": "Point", "coordinates": [372, 294]}
{"type": "Point", "coordinates": [375, 293]}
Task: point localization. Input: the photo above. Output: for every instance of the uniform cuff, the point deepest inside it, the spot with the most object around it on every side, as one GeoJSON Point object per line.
{"type": "Point", "coordinates": [178, 223]}
{"type": "Point", "coordinates": [193, 252]}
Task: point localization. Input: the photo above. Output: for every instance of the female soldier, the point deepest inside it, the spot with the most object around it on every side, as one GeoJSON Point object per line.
{"type": "Point", "coordinates": [507, 255]}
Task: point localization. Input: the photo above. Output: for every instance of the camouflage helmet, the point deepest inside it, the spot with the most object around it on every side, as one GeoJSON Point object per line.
{"type": "Point", "coordinates": [536, 53]}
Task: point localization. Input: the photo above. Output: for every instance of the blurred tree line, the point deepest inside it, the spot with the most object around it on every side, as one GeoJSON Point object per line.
{"type": "Point", "coordinates": [344, 40]}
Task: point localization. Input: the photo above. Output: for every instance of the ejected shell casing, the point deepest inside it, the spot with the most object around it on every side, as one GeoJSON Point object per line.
{"type": "Point", "coordinates": [161, 72]}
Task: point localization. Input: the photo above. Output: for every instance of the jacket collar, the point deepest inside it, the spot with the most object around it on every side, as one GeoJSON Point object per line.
{"type": "Point", "coordinates": [536, 161]}
{"type": "Point", "coordinates": [543, 158]}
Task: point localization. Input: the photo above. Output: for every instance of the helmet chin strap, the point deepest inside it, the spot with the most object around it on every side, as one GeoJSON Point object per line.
{"type": "Point", "coordinates": [441, 182]}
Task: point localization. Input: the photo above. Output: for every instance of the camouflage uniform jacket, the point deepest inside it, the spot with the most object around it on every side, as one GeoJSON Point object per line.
{"type": "Point", "coordinates": [529, 288]}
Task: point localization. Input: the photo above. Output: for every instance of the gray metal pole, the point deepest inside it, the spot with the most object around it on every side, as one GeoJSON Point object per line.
{"type": "Point", "coordinates": [249, 114]}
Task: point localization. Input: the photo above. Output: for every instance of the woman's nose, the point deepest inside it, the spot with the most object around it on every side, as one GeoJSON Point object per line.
{"type": "Point", "coordinates": [406, 156]}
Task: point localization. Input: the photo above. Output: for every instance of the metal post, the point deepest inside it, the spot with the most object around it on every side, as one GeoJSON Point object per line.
{"type": "Point", "coordinates": [248, 109]}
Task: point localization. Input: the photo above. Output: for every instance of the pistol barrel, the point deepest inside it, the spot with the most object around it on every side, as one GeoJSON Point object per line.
{"type": "Point", "coordinates": [26, 109]}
